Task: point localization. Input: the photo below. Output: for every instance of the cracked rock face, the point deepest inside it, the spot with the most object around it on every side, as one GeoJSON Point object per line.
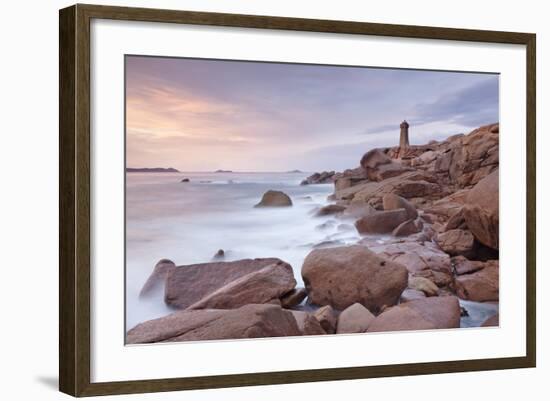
{"type": "Point", "coordinates": [250, 321]}
{"type": "Point", "coordinates": [455, 242]}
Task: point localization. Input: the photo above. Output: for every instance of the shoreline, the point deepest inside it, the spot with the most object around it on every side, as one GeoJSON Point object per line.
{"type": "Point", "coordinates": [438, 254]}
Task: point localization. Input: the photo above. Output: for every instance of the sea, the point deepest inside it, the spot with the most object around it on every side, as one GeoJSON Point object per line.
{"type": "Point", "coordinates": [188, 222]}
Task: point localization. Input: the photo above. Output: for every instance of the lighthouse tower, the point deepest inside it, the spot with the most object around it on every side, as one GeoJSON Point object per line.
{"type": "Point", "coordinates": [404, 136]}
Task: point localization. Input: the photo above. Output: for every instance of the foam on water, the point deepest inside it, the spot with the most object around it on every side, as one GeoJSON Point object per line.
{"type": "Point", "coordinates": [189, 222]}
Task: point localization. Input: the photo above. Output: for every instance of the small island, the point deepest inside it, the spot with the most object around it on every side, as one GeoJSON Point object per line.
{"type": "Point", "coordinates": [223, 171]}
{"type": "Point", "coordinates": [151, 170]}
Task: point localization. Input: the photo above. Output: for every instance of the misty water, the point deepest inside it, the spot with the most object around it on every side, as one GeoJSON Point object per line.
{"type": "Point", "coordinates": [187, 222]}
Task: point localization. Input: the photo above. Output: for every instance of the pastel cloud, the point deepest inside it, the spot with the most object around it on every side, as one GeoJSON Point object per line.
{"type": "Point", "coordinates": [206, 114]}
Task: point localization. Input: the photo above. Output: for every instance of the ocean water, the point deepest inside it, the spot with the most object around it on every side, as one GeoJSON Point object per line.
{"type": "Point", "coordinates": [189, 222]}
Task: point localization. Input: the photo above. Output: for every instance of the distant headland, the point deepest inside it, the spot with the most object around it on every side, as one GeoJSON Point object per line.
{"type": "Point", "coordinates": [152, 170]}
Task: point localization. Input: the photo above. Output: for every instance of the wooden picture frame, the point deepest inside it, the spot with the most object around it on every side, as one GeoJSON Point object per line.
{"type": "Point", "coordinates": [74, 203]}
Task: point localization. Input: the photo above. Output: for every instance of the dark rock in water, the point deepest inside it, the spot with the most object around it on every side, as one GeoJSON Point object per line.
{"type": "Point", "coordinates": [259, 287]}
{"type": "Point", "coordinates": [274, 199]}
{"type": "Point", "coordinates": [330, 209]}
{"type": "Point", "coordinates": [160, 272]}
{"type": "Point", "coordinates": [249, 321]}
{"type": "Point", "coordinates": [220, 254]}
{"type": "Point", "coordinates": [293, 298]}
{"type": "Point", "coordinates": [185, 180]}
{"type": "Point", "coordinates": [327, 244]}
{"type": "Point", "coordinates": [422, 314]}
{"type": "Point", "coordinates": [326, 225]}
{"type": "Point", "coordinates": [186, 285]}
{"type": "Point", "coordinates": [345, 227]}
{"type": "Point", "coordinates": [345, 275]}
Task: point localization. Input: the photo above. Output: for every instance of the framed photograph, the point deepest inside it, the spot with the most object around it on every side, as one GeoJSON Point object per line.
{"type": "Point", "coordinates": [249, 200]}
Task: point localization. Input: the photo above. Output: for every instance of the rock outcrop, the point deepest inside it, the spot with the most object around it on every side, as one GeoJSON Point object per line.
{"type": "Point", "coordinates": [481, 211]}
{"type": "Point", "coordinates": [186, 285]}
{"type": "Point", "coordinates": [326, 177]}
{"type": "Point", "coordinates": [342, 276]}
{"type": "Point", "coordinates": [250, 321]}
{"type": "Point", "coordinates": [421, 314]}
{"type": "Point", "coordinates": [456, 242]}
{"type": "Point", "coordinates": [261, 286]}
{"type": "Point", "coordinates": [160, 272]}
{"type": "Point", "coordinates": [480, 286]}
{"type": "Point", "coordinates": [274, 199]}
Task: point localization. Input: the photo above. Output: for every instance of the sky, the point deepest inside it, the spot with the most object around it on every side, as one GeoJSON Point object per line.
{"type": "Point", "coordinates": [204, 115]}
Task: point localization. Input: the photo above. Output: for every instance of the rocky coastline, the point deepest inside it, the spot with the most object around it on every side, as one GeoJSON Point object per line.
{"type": "Point", "coordinates": [428, 217]}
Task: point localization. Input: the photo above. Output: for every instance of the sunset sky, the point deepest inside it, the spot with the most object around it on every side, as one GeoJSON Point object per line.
{"type": "Point", "coordinates": [204, 115]}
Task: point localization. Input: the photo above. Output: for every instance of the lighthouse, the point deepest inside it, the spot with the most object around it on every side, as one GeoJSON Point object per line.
{"type": "Point", "coordinates": [404, 136]}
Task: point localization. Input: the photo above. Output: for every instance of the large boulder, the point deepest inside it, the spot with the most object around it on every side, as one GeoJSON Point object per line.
{"type": "Point", "coordinates": [455, 242]}
{"type": "Point", "coordinates": [258, 287]}
{"type": "Point", "coordinates": [274, 199]}
{"type": "Point", "coordinates": [421, 314]}
{"type": "Point", "coordinates": [161, 271]}
{"type": "Point", "coordinates": [342, 276]}
{"type": "Point", "coordinates": [481, 286]}
{"type": "Point", "coordinates": [250, 321]}
{"type": "Point", "coordinates": [354, 319]}
{"type": "Point", "coordinates": [188, 284]}
{"type": "Point", "coordinates": [374, 158]}
{"type": "Point", "coordinates": [381, 222]}
{"type": "Point", "coordinates": [393, 202]}
{"type": "Point", "coordinates": [474, 156]}
{"type": "Point", "coordinates": [481, 210]}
